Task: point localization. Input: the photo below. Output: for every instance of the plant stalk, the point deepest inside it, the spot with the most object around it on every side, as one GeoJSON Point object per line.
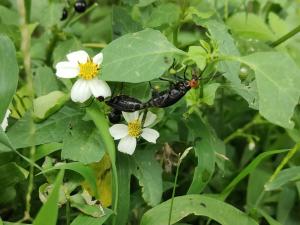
{"type": "Point", "coordinates": [284, 161]}
{"type": "Point", "coordinates": [68, 213]}
{"type": "Point", "coordinates": [239, 132]}
{"type": "Point", "coordinates": [173, 192]}
{"type": "Point", "coordinates": [286, 37]}
{"type": "Point", "coordinates": [25, 49]}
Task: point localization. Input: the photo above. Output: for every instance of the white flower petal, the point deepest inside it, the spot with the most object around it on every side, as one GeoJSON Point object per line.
{"type": "Point", "coordinates": [130, 116]}
{"type": "Point", "coordinates": [99, 88]}
{"type": "Point", "coordinates": [127, 145]}
{"type": "Point", "coordinates": [78, 57]}
{"type": "Point", "coordinates": [67, 69]}
{"type": "Point", "coordinates": [80, 91]}
{"type": "Point", "coordinates": [118, 131]}
{"type": "Point", "coordinates": [150, 118]}
{"type": "Point", "coordinates": [97, 59]}
{"type": "Point", "coordinates": [4, 123]}
{"type": "Point", "coordinates": [150, 135]}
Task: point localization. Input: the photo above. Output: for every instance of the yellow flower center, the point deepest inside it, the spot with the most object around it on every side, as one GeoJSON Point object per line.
{"type": "Point", "coordinates": [135, 128]}
{"type": "Point", "coordinates": [88, 70]}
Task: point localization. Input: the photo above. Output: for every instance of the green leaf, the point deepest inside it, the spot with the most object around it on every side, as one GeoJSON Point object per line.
{"type": "Point", "coordinates": [90, 210]}
{"type": "Point", "coordinates": [46, 149]}
{"type": "Point", "coordinates": [65, 47]}
{"type": "Point", "coordinates": [86, 172]}
{"type": "Point", "coordinates": [285, 176]}
{"type": "Point", "coordinates": [167, 13]}
{"type": "Point", "coordinates": [268, 218]}
{"type": "Point", "coordinates": [278, 85]}
{"type": "Point", "coordinates": [46, 105]}
{"type": "Point", "coordinates": [256, 182]}
{"type": "Point", "coordinates": [205, 151]}
{"type": "Point", "coordinates": [249, 25]}
{"type": "Point", "coordinates": [124, 175]}
{"type": "Point", "coordinates": [88, 220]}
{"type": "Point", "coordinates": [44, 81]}
{"type": "Point", "coordinates": [47, 215]}
{"type": "Point", "coordinates": [149, 174]}
{"type": "Point", "coordinates": [278, 25]}
{"type": "Point", "coordinates": [9, 16]}
{"type": "Point", "coordinates": [7, 195]}
{"type": "Point", "coordinates": [226, 45]}
{"type": "Point", "coordinates": [191, 12]}
{"type": "Point", "coordinates": [143, 3]}
{"type": "Point", "coordinates": [48, 13]}
{"type": "Point", "coordinates": [51, 130]}
{"type": "Point", "coordinates": [199, 205]}
{"type": "Point", "coordinates": [83, 143]}
{"type": "Point", "coordinates": [287, 199]}
{"type": "Point", "coordinates": [209, 93]}
{"type": "Point", "coordinates": [8, 73]}
{"type": "Point", "coordinates": [6, 145]}
{"type": "Point", "coordinates": [295, 132]}
{"type": "Point", "coordinates": [205, 167]}
{"type": "Point", "coordinates": [123, 22]}
{"type": "Point", "coordinates": [101, 123]}
{"type": "Point", "coordinates": [12, 31]}
{"type": "Point", "coordinates": [138, 57]}
{"type": "Point", "coordinates": [9, 171]}
{"type": "Point", "coordinates": [247, 170]}
{"type": "Point", "coordinates": [198, 55]}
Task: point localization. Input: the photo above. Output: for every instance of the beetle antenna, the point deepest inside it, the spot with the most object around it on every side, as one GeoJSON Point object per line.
{"type": "Point", "coordinates": [201, 73]}
{"type": "Point", "coordinates": [165, 79]}
{"type": "Point", "coordinates": [184, 73]}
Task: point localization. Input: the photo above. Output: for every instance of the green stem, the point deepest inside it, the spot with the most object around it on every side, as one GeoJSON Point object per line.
{"type": "Point", "coordinates": [285, 37]}
{"type": "Point", "coordinates": [94, 45]}
{"type": "Point", "coordinates": [65, 24]}
{"type": "Point", "coordinates": [68, 213]}
{"type": "Point", "coordinates": [50, 49]}
{"type": "Point", "coordinates": [91, 8]}
{"type": "Point", "coordinates": [259, 199]}
{"type": "Point", "coordinates": [55, 38]}
{"type": "Point", "coordinates": [25, 48]}
{"type": "Point", "coordinates": [226, 10]}
{"type": "Point", "coordinates": [239, 132]}
{"type": "Point", "coordinates": [173, 192]}
{"type": "Point", "coordinates": [284, 161]}
{"type": "Point", "coordinates": [101, 123]}
{"type": "Point", "coordinates": [71, 20]}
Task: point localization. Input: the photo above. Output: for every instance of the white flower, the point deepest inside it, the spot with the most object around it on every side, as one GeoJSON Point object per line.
{"type": "Point", "coordinates": [129, 134]}
{"type": "Point", "coordinates": [80, 64]}
{"type": "Point", "coordinates": [4, 123]}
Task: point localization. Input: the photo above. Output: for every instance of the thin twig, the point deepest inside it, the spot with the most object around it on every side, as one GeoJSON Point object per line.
{"type": "Point", "coordinates": [25, 48]}
{"type": "Point", "coordinates": [285, 37]}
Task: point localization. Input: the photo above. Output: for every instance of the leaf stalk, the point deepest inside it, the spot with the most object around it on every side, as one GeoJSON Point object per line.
{"type": "Point", "coordinates": [286, 37]}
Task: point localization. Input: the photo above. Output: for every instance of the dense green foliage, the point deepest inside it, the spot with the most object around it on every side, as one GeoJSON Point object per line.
{"type": "Point", "coordinates": [227, 152]}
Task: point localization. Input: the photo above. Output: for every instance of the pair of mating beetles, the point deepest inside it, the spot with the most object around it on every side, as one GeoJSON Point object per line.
{"type": "Point", "coordinates": [161, 99]}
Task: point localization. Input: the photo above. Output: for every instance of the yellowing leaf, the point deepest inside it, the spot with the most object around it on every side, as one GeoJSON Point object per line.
{"type": "Point", "coordinates": [104, 180]}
